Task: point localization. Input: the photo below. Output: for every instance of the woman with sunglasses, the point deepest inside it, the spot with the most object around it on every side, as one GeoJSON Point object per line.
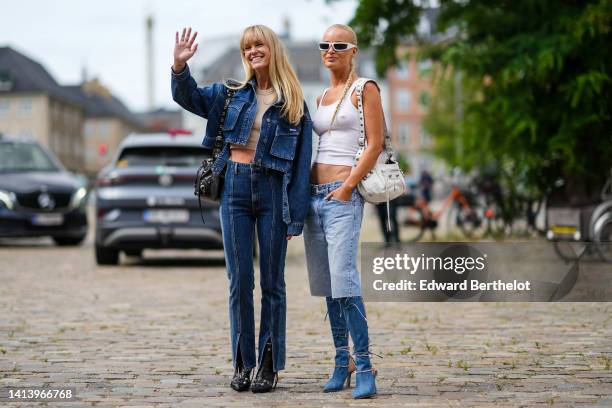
{"type": "Point", "coordinates": [331, 230]}
{"type": "Point", "coordinates": [265, 157]}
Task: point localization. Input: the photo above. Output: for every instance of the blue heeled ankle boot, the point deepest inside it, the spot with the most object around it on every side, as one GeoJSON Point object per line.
{"type": "Point", "coordinates": [344, 365]}
{"type": "Point", "coordinates": [354, 312]}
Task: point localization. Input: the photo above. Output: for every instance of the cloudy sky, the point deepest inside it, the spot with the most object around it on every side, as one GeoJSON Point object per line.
{"type": "Point", "coordinates": [108, 38]}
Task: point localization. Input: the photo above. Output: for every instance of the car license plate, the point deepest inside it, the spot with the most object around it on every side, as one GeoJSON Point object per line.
{"type": "Point", "coordinates": [563, 229]}
{"type": "Point", "coordinates": [47, 220]}
{"type": "Point", "coordinates": [166, 216]}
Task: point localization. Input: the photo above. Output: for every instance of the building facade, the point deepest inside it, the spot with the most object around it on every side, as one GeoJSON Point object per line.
{"type": "Point", "coordinates": [161, 120]}
{"type": "Point", "coordinates": [33, 105]}
{"type": "Point", "coordinates": [82, 124]}
{"type": "Point", "coordinates": [410, 87]}
{"type": "Point", "coordinates": [107, 122]}
{"type": "Point", "coordinates": [411, 90]}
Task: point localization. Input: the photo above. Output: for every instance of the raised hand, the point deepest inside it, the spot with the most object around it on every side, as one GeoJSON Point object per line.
{"type": "Point", "coordinates": [184, 48]}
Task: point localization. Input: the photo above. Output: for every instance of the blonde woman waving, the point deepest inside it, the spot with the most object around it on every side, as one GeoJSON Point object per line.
{"type": "Point", "coordinates": [265, 156]}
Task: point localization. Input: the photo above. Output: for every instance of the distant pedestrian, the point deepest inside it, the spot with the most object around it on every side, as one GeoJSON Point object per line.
{"type": "Point", "coordinates": [426, 184]}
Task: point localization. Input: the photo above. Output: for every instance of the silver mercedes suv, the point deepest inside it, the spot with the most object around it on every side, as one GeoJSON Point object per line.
{"type": "Point", "coordinates": [144, 199]}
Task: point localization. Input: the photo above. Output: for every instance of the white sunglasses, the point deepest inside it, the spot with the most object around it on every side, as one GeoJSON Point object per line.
{"type": "Point", "coordinates": [337, 46]}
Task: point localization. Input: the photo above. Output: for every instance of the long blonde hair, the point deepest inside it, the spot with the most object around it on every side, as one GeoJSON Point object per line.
{"type": "Point", "coordinates": [352, 74]}
{"type": "Point", "coordinates": [283, 78]}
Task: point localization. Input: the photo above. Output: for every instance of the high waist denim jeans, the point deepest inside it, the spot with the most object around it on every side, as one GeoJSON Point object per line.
{"type": "Point", "coordinates": [331, 238]}
{"type": "Point", "coordinates": [252, 196]}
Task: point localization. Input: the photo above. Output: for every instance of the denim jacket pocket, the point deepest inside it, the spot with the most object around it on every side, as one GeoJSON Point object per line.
{"type": "Point", "coordinates": [234, 111]}
{"type": "Point", "coordinates": [285, 141]}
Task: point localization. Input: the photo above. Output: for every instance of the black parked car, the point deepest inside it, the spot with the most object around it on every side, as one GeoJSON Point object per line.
{"type": "Point", "coordinates": [38, 196]}
{"type": "Point", "coordinates": [144, 199]}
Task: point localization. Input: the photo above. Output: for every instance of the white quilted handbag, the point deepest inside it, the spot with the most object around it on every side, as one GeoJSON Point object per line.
{"type": "Point", "coordinates": [385, 181]}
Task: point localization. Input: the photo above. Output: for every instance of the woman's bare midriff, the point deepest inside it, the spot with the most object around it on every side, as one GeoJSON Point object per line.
{"type": "Point", "coordinates": [241, 155]}
{"type": "Point", "coordinates": [322, 173]}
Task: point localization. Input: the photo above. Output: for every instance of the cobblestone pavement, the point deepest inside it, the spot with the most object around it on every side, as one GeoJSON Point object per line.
{"type": "Point", "coordinates": [154, 332]}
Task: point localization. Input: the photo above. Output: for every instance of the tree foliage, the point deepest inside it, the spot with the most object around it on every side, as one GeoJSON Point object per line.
{"type": "Point", "coordinates": [536, 82]}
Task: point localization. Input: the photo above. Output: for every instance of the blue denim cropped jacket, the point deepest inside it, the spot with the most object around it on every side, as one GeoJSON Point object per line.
{"type": "Point", "coordinates": [282, 146]}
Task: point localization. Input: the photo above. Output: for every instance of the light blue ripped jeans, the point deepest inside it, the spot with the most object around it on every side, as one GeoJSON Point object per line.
{"type": "Point", "coordinates": [331, 237]}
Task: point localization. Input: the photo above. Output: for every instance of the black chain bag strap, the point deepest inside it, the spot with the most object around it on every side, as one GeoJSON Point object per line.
{"type": "Point", "coordinates": [207, 184]}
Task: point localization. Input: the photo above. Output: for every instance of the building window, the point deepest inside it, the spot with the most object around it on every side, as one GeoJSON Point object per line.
{"type": "Point", "coordinates": [89, 130]}
{"type": "Point", "coordinates": [103, 129]}
{"type": "Point", "coordinates": [424, 138]}
{"type": "Point", "coordinates": [402, 70]}
{"type": "Point", "coordinates": [402, 99]}
{"type": "Point", "coordinates": [5, 106]}
{"type": "Point", "coordinates": [6, 80]}
{"type": "Point", "coordinates": [424, 98]}
{"type": "Point", "coordinates": [403, 133]}
{"type": "Point", "coordinates": [424, 67]}
{"type": "Point", "coordinates": [25, 106]}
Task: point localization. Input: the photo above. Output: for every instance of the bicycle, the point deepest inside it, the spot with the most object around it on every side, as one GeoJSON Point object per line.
{"type": "Point", "coordinates": [601, 223]}
{"type": "Point", "coordinates": [511, 208]}
{"type": "Point", "coordinates": [578, 232]}
{"type": "Point", "coordinates": [464, 211]}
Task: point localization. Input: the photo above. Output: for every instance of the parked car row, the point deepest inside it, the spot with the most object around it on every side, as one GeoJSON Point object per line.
{"type": "Point", "coordinates": [38, 196]}
{"type": "Point", "coordinates": [143, 199]}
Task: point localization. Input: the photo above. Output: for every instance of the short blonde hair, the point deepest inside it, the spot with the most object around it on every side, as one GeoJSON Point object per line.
{"type": "Point", "coordinates": [283, 78]}
{"type": "Point", "coordinates": [347, 29]}
{"type": "Point", "coordinates": [352, 73]}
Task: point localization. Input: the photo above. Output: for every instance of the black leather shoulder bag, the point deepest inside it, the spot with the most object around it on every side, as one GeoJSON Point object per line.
{"type": "Point", "coordinates": [206, 183]}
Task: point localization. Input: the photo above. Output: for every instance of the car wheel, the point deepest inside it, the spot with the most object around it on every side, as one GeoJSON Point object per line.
{"type": "Point", "coordinates": [107, 256]}
{"type": "Point", "coordinates": [133, 252]}
{"type": "Point", "coordinates": [69, 241]}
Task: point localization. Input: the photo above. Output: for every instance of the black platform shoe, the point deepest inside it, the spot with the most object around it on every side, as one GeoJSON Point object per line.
{"type": "Point", "coordinates": [242, 377]}
{"type": "Point", "coordinates": [266, 378]}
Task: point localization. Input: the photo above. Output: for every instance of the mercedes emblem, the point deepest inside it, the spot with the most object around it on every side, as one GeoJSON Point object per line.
{"type": "Point", "coordinates": [45, 201]}
{"type": "Point", "coordinates": [165, 180]}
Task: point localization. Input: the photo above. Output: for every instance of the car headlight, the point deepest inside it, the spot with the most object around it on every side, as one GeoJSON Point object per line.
{"type": "Point", "coordinates": [7, 198]}
{"type": "Point", "coordinates": [78, 197]}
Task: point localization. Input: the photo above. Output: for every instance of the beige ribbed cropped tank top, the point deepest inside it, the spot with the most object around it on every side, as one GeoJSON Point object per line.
{"type": "Point", "coordinates": [265, 98]}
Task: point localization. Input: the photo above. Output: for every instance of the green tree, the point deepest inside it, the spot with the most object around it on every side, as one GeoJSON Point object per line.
{"type": "Point", "coordinates": [537, 81]}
